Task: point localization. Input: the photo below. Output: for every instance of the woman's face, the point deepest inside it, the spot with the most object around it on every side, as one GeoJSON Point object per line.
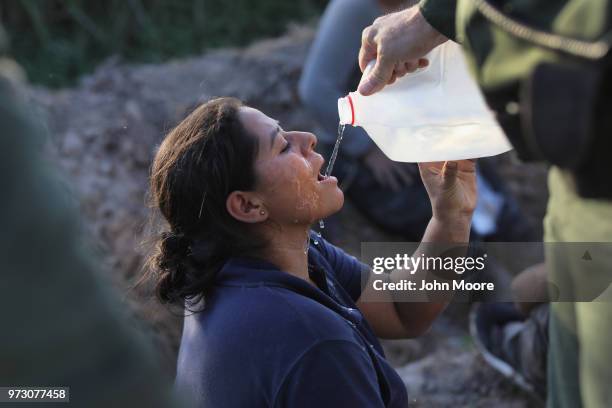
{"type": "Point", "coordinates": [289, 172]}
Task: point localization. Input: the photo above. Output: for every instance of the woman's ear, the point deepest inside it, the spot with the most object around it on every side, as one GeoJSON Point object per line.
{"type": "Point", "coordinates": [246, 207]}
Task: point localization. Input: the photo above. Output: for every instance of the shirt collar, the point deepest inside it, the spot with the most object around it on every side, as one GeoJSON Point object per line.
{"type": "Point", "coordinates": [251, 271]}
{"type": "Point", "coordinates": [256, 272]}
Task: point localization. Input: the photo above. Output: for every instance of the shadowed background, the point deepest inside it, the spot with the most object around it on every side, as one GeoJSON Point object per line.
{"type": "Point", "coordinates": [108, 79]}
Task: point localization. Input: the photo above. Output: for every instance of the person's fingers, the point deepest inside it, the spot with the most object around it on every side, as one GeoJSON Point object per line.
{"type": "Point", "coordinates": [400, 70]}
{"type": "Point", "coordinates": [449, 173]}
{"type": "Point", "coordinates": [407, 66]}
{"type": "Point", "coordinates": [366, 54]}
{"type": "Point", "coordinates": [377, 78]}
{"type": "Point", "coordinates": [411, 66]}
{"type": "Point", "coordinates": [368, 49]}
{"type": "Point", "coordinates": [393, 79]}
{"type": "Point", "coordinates": [423, 62]}
{"type": "Point", "coordinates": [430, 168]}
{"type": "Point", "coordinates": [422, 169]}
{"type": "Point", "coordinates": [467, 165]}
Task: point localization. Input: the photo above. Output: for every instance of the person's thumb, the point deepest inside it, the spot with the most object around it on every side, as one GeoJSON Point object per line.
{"type": "Point", "coordinates": [377, 78]}
{"type": "Point", "coordinates": [449, 173]}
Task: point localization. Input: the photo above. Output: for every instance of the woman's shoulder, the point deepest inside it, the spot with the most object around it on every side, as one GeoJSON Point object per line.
{"type": "Point", "coordinates": [266, 311]}
{"type": "Point", "coordinates": [267, 335]}
{"type": "Point", "coordinates": [264, 333]}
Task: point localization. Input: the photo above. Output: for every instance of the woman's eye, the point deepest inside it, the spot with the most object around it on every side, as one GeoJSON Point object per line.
{"type": "Point", "coordinates": [286, 148]}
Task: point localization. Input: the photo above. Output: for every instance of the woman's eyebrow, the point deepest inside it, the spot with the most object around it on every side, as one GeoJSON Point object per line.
{"type": "Point", "coordinates": [273, 134]}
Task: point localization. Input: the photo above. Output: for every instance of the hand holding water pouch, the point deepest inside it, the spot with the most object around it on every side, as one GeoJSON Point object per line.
{"type": "Point", "coordinates": [434, 114]}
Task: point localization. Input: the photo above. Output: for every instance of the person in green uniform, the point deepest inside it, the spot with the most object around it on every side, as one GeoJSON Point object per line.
{"type": "Point", "coordinates": [62, 324]}
{"type": "Point", "coordinates": [548, 62]}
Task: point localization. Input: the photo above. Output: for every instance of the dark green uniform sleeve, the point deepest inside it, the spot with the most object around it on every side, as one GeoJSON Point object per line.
{"type": "Point", "coordinates": [62, 325]}
{"type": "Point", "coordinates": [441, 15]}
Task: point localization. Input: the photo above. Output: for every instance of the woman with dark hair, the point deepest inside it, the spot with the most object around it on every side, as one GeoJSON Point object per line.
{"type": "Point", "coordinates": [278, 319]}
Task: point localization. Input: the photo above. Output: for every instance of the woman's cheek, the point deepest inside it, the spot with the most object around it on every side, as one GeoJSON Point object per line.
{"type": "Point", "coordinates": [274, 179]}
{"type": "Point", "coordinates": [293, 187]}
{"type": "Point", "coordinates": [305, 197]}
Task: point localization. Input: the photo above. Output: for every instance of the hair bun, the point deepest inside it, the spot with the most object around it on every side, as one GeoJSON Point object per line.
{"type": "Point", "coordinates": [174, 249]}
{"type": "Point", "coordinates": [204, 250]}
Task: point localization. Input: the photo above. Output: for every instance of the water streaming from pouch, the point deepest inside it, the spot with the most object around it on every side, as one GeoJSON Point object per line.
{"type": "Point", "coordinates": [328, 170]}
{"type": "Point", "coordinates": [332, 159]}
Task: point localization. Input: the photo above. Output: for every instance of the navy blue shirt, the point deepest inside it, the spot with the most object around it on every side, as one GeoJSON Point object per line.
{"type": "Point", "coordinates": [269, 339]}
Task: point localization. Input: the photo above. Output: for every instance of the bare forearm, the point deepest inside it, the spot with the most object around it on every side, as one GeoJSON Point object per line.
{"type": "Point", "coordinates": [439, 234]}
{"type": "Point", "coordinates": [450, 231]}
{"type": "Point", "coordinates": [451, 187]}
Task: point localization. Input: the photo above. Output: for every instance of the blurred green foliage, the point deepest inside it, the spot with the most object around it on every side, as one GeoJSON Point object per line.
{"type": "Point", "coordinates": [58, 40]}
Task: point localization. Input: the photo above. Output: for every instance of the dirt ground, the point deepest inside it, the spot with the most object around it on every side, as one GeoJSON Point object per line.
{"type": "Point", "coordinates": [103, 134]}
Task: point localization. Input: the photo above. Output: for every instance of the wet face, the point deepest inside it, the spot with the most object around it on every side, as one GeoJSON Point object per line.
{"type": "Point", "coordinates": [289, 173]}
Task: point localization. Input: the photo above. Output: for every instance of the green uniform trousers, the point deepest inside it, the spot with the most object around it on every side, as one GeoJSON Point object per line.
{"type": "Point", "coordinates": [580, 353]}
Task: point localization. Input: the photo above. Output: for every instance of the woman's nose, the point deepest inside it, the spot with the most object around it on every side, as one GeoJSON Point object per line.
{"type": "Point", "coordinates": [309, 141]}
{"type": "Point", "coordinates": [305, 140]}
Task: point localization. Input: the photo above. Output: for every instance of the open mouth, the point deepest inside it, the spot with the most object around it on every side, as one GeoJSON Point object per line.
{"type": "Point", "coordinates": [326, 179]}
{"type": "Point", "coordinates": [321, 178]}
